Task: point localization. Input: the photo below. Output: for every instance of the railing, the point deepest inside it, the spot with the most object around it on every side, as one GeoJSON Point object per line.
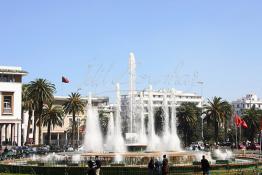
{"type": "Point", "coordinates": [7, 111]}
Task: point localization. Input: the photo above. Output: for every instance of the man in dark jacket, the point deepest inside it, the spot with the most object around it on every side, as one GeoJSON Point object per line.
{"type": "Point", "coordinates": [92, 168]}
{"type": "Point", "coordinates": [165, 167]}
{"type": "Point", "coordinates": [98, 165]}
{"type": "Point", "coordinates": [205, 166]}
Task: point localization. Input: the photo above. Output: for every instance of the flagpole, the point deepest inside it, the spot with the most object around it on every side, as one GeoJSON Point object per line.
{"type": "Point", "coordinates": [240, 134]}
{"type": "Point", "coordinates": [260, 143]}
{"type": "Point", "coordinates": [236, 137]}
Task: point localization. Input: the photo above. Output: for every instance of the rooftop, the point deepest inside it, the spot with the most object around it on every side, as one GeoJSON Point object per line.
{"type": "Point", "coordinates": [12, 70]}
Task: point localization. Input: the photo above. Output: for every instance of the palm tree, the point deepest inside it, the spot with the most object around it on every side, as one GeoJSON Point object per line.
{"type": "Point", "coordinates": [253, 118]}
{"type": "Point", "coordinates": [27, 105]}
{"type": "Point", "coordinates": [52, 115]}
{"type": "Point", "coordinates": [187, 114]}
{"type": "Point", "coordinates": [74, 105]}
{"type": "Point", "coordinates": [41, 92]}
{"type": "Point", "coordinates": [228, 113]}
{"type": "Point", "coordinates": [216, 111]}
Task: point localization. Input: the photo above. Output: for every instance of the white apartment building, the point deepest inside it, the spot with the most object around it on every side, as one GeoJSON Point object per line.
{"type": "Point", "coordinates": [158, 96]}
{"type": "Point", "coordinates": [11, 102]}
{"type": "Point", "coordinates": [60, 135]}
{"type": "Point", "coordinates": [246, 103]}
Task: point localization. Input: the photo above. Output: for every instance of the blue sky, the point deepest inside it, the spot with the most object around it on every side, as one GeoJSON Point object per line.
{"type": "Point", "coordinates": [176, 44]}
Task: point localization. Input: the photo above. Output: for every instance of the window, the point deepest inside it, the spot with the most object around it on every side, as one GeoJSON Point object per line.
{"type": "Point", "coordinates": [7, 103]}
{"type": "Point", "coordinates": [7, 78]}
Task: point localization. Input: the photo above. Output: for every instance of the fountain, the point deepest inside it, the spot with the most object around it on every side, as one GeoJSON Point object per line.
{"type": "Point", "coordinates": [153, 139]}
{"type": "Point", "coordinates": [93, 138]}
{"type": "Point", "coordinates": [115, 141]}
{"type": "Point", "coordinates": [142, 134]}
{"type": "Point", "coordinates": [174, 141]}
{"type": "Point", "coordinates": [137, 138]}
{"type": "Point", "coordinates": [113, 150]}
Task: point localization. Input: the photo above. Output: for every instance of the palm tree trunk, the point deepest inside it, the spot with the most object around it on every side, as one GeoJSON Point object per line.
{"type": "Point", "coordinates": [216, 132]}
{"type": "Point", "coordinates": [225, 130]}
{"type": "Point", "coordinates": [34, 133]}
{"type": "Point", "coordinates": [40, 123]}
{"type": "Point", "coordinates": [185, 137]}
{"type": "Point", "coordinates": [49, 132]}
{"type": "Point", "coordinates": [28, 125]}
{"type": "Point", "coordinates": [73, 131]}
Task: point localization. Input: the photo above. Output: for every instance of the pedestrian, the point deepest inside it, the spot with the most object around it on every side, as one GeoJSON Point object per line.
{"type": "Point", "coordinates": [98, 165]}
{"type": "Point", "coordinates": [158, 167]}
{"type": "Point", "coordinates": [165, 168]}
{"type": "Point", "coordinates": [91, 168]}
{"type": "Point", "coordinates": [151, 167]}
{"type": "Point", "coordinates": [205, 166]}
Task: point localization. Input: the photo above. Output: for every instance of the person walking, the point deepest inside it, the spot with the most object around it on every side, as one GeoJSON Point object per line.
{"type": "Point", "coordinates": [205, 166]}
{"type": "Point", "coordinates": [91, 168]}
{"type": "Point", "coordinates": [151, 167]}
{"type": "Point", "coordinates": [98, 165]}
{"type": "Point", "coordinates": [165, 168]}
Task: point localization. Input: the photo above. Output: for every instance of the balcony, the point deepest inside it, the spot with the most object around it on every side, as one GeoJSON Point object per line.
{"type": "Point", "coordinates": [7, 111]}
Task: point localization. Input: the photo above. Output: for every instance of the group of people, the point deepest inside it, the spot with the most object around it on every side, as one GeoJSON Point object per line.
{"type": "Point", "coordinates": [158, 168]}
{"type": "Point", "coordinates": [155, 167]}
{"type": "Point", "coordinates": [94, 166]}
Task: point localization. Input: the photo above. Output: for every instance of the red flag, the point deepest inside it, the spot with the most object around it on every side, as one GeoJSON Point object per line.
{"type": "Point", "coordinates": [65, 80]}
{"type": "Point", "coordinates": [238, 120]}
{"type": "Point", "coordinates": [244, 124]}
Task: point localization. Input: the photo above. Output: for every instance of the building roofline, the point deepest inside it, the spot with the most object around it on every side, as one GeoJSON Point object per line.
{"type": "Point", "coordinates": [57, 97]}
{"type": "Point", "coordinates": [12, 71]}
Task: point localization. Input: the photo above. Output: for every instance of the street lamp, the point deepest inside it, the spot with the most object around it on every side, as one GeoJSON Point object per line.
{"type": "Point", "coordinates": [202, 119]}
{"type": "Point", "coordinates": [78, 122]}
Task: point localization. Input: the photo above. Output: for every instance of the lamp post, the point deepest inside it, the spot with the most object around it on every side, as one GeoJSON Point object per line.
{"type": "Point", "coordinates": [260, 143]}
{"type": "Point", "coordinates": [201, 83]}
{"type": "Point", "coordinates": [202, 128]}
{"type": "Point", "coordinates": [78, 122]}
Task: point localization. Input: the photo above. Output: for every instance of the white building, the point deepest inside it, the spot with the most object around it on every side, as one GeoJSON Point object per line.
{"type": "Point", "coordinates": [10, 108]}
{"type": "Point", "coordinates": [60, 135]}
{"type": "Point", "coordinates": [172, 97]}
{"type": "Point", "coordinates": [246, 103]}
{"type": "Point", "coordinates": [158, 98]}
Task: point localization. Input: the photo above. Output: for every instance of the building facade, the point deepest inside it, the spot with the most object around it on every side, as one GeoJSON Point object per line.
{"type": "Point", "coordinates": [246, 103]}
{"type": "Point", "coordinates": [11, 103]}
{"type": "Point", "coordinates": [61, 135]}
{"type": "Point", "coordinates": [158, 97]}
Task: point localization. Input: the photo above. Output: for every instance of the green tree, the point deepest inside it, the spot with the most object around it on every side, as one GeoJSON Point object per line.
{"type": "Point", "coordinates": [74, 105]}
{"type": "Point", "coordinates": [228, 113]}
{"type": "Point", "coordinates": [253, 118]}
{"type": "Point", "coordinates": [159, 120]}
{"type": "Point", "coordinates": [188, 115]}
{"type": "Point", "coordinates": [52, 116]}
{"type": "Point", "coordinates": [216, 113]}
{"type": "Point", "coordinates": [27, 105]}
{"type": "Point", "coordinates": [41, 92]}
{"type": "Point", "coordinates": [103, 120]}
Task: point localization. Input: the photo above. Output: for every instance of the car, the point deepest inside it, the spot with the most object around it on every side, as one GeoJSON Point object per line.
{"type": "Point", "coordinates": [253, 146]}
{"type": "Point", "coordinates": [225, 144]}
{"type": "Point", "coordinates": [241, 146]}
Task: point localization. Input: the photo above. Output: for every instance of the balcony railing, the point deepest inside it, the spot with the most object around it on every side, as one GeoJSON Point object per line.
{"type": "Point", "coordinates": [7, 111]}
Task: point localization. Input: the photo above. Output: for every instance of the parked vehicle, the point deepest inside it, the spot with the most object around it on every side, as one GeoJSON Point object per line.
{"type": "Point", "coordinates": [253, 146]}
{"type": "Point", "coordinates": [241, 146]}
